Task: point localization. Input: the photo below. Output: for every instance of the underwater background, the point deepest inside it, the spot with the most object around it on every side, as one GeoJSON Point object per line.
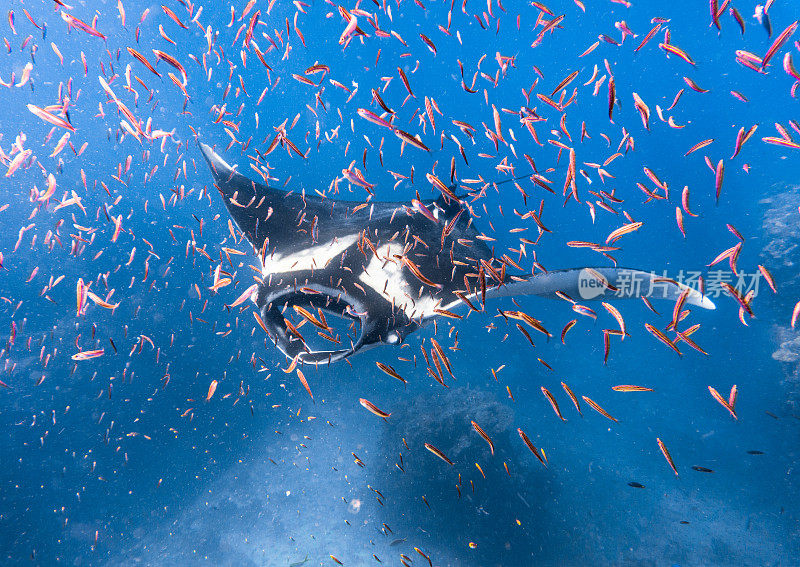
{"type": "Point", "coordinates": [130, 459]}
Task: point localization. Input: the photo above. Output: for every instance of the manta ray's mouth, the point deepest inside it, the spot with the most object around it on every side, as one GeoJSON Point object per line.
{"type": "Point", "coordinates": [315, 325]}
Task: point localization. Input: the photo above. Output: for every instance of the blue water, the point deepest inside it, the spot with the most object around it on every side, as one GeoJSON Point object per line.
{"type": "Point", "coordinates": [249, 478]}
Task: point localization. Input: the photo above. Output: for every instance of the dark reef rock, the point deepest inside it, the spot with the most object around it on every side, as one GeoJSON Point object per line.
{"type": "Point", "coordinates": [781, 226]}
{"type": "Point", "coordinates": [781, 254]}
{"type": "Point", "coordinates": [444, 421]}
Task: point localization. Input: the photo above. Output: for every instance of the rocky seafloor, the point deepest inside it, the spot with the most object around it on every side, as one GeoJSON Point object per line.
{"type": "Point", "coordinates": [781, 254]}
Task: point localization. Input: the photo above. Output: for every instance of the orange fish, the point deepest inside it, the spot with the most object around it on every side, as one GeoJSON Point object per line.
{"type": "Point", "coordinates": [173, 17]}
{"type": "Point", "coordinates": [719, 174]}
{"type": "Point", "coordinates": [597, 408]}
{"type": "Point", "coordinates": [51, 118]}
{"type": "Point", "coordinates": [483, 434]}
{"type": "Point", "coordinates": [373, 408]}
{"type": "Point", "coordinates": [566, 329]}
{"type": "Point", "coordinates": [390, 371]}
{"type": "Point", "coordinates": [768, 277]}
{"type": "Point", "coordinates": [662, 337]}
{"type": "Point", "coordinates": [666, 454]}
{"type": "Point", "coordinates": [618, 316]}
{"type": "Point", "coordinates": [211, 389]}
{"type": "Point", "coordinates": [409, 139]}
{"type": "Point", "coordinates": [438, 453]}
{"type": "Point", "coordinates": [572, 397]}
{"type": "Point", "coordinates": [310, 318]}
{"type": "Point", "coordinates": [669, 48]}
{"type": "Point", "coordinates": [622, 231]}
{"type": "Point", "coordinates": [531, 446]}
{"type": "Point", "coordinates": [778, 43]}
{"type": "Point", "coordinates": [699, 145]}
{"type": "Point", "coordinates": [732, 396]}
{"type": "Point", "coordinates": [553, 403]}
{"type": "Point", "coordinates": [304, 382]}
{"type": "Point", "coordinates": [87, 354]}
{"type": "Point", "coordinates": [716, 395]}
{"type": "Point", "coordinates": [143, 60]}
{"type": "Point", "coordinates": [630, 388]}
{"type": "Point", "coordinates": [643, 109]}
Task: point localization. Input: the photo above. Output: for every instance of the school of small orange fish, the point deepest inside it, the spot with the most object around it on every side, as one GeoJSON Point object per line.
{"type": "Point", "coordinates": [532, 139]}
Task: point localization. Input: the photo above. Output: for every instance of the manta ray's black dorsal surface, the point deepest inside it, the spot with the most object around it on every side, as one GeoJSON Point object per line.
{"type": "Point", "coordinates": [385, 264]}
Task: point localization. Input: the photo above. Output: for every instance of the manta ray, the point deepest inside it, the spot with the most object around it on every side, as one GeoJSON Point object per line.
{"type": "Point", "coordinates": [390, 266]}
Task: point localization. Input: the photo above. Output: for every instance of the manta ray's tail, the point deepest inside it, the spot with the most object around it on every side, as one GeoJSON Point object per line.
{"type": "Point", "coordinates": [603, 284]}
